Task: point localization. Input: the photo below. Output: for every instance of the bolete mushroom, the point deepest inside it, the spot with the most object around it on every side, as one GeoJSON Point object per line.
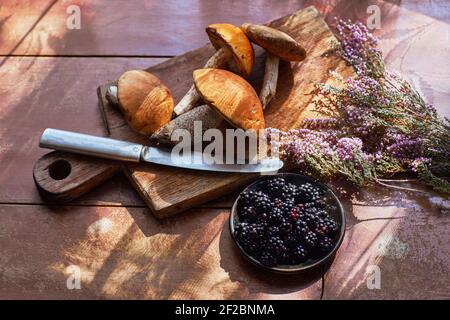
{"type": "Point", "coordinates": [143, 99]}
{"type": "Point", "coordinates": [232, 45]}
{"type": "Point", "coordinates": [277, 45]}
{"type": "Point", "coordinates": [231, 96]}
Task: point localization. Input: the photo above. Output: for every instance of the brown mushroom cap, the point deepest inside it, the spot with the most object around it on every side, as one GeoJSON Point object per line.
{"type": "Point", "coordinates": [275, 41]}
{"type": "Point", "coordinates": [145, 102]}
{"type": "Point", "coordinates": [232, 96]}
{"type": "Point", "coordinates": [224, 35]}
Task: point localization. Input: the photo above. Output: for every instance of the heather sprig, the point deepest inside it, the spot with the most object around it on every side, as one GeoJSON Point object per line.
{"type": "Point", "coordinates": [376, 123]}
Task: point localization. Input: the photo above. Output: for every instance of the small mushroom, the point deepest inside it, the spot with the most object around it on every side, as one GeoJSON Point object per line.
{"type": "Point", "coordinates": [231, 45]}
{"type": "Point", "coordinates": [144, 101]}
{"type": "Point", "coordinates": [277, 45]}
{"type": "Point", "coordinates": [231, 96]}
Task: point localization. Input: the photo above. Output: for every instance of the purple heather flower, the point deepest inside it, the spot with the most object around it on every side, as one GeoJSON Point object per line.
{"type": "Point", "coordinates": [378, 127]}
{"type": "Point", "coordinates": [347, 147]}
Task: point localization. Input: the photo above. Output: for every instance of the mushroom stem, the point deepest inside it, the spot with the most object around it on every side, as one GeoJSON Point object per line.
{"type": "Point", "coordinates": [269, 85]}
{"type": "Point", "coordinates": [218, 60]}
{"type": "Point", "coordinates": [208, 118]}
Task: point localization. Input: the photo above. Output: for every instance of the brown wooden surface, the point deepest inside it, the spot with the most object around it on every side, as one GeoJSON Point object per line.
{"type": "Point", "coordinates": [38, 92]}
{"type": "Point", "coordinates": [17, 18]}
{"type": "Point", "coordinates": [405, 234]}
{"type": "Point", "coordinates": [125, 253]}
{"type": "Point", "coordinates": [168, 191]}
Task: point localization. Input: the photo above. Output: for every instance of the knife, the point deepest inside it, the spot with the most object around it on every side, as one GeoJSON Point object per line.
{"type": "Point", "coordinates": [108, 148]}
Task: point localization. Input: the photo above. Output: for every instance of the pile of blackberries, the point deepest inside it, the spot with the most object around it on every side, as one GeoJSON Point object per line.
{"type": "Point", "coordinates": [285, 224]}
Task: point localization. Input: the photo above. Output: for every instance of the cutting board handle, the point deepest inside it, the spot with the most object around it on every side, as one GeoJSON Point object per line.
{"type": "Point", "coordinates": [62, 177]}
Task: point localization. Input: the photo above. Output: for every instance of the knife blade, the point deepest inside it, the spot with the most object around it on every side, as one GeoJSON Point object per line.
{"type": "Point", "coordinates": [108, 148]}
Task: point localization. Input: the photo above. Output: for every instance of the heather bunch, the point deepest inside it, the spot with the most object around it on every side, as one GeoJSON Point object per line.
{"type": "Point", "coordinates": [375, 125]}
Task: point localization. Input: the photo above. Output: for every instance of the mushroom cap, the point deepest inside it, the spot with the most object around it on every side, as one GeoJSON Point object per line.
{"type": "Point", "coordinates": [224, 35]}
{"type": "Point", "coordinates": [275, 41]}
{"type": "Point", "coordinates": [144, 100]}
{"type": "Point", "coordinates": [231, 96]}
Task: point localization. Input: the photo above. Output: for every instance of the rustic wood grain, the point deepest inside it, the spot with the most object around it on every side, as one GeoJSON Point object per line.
{"type": "Point", "coordinates": [124, 253]}
{"type": "Point", "coordinates": [155, 28]}
{"type": "Point", "coordinates": [17, 19]}
{"type": "Point", "coordinates": [142, 27]}
{"type": "Point", "coordinates": [168, 191]}
{"type": "Point", "coordinates": [405, 235]}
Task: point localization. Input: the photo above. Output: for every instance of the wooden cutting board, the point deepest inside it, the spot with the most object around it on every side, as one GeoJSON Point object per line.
{"type": "Point", "coordinates": [168, 190]}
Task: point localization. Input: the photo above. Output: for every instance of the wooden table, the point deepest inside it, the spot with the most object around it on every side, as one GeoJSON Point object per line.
{"type": "Point", "coordinates": [48, 78]}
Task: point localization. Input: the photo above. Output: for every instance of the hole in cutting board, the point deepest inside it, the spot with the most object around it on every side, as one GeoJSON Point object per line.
{"type": "Point", "coordinates": [60, 169]}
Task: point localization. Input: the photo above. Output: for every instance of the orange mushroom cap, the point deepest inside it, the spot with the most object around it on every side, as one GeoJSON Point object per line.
{"type": "Point", "coordinates": [231, 96]}
{"type": "Point", "coordinates": [144, 100]}
{"type": "Point", "coordinates": [224, 35]}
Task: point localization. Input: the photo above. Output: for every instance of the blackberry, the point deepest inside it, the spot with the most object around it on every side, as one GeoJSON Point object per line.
{"type": "Point", "coordinates": [262, 218]}
{"type": "Point", "coordinates": [276, 247]}
{"type": "Point", "coordinates": [285, 226]}
{"type": "Point", "coordinates": [322, 213]}
{"type": "Point", "coordinates": [298, 255]}
{"type": "Point", "coordinates": [311, 220]}
{"type": "Point", "coordinates": [247, 213]}
{"type": "Point", "coordinates": [309, 205]}
{"type": "Point", "coordinates": [331, 225]}
{"type": "Point", "coordinates": [289, 193]}
{"type": "Point", "coordinates": [279, 188]}
{"type": "Point", "coordinates": [261, 202]}
{"type": "Point", "coordinates": [321, 229]}
{"type": "Point", "coordinates": [287, 206]}
{"type": "Point", "coordinates": [272, 231]}
{"type": "Point", "coordinates": [277, 203]}
{"type": "Point", "coordinates": [249, 231]}
{"type": "Point", "coordinates": [267, 259]}
{"type": "Point", "coordinates": [326, 227]}
{"type": "Point", "coordinates": [301, 228]}
{"type": "Point", "coordinates": [246, 198]}
{"type": "Point", "coordinates": [313, 211]}
{"type": "Point", "coordinates": [310, 239]}
{"type": "Point", "coordinates": [257, 199]}
{"type": "Point", "coordinates": [249, 236]}
{"type": "Point", "coordinates": [276, 216]}
{"type": "Point", "coordinates": [326, 245]}
{"type": "Point", "coordinates": [275, 187]}
{"type": "Point", "coordinates": [309, 193]}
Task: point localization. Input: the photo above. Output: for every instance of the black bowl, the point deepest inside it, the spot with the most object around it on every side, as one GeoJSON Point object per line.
{"type": "Point", "coordinates": [337, 215]}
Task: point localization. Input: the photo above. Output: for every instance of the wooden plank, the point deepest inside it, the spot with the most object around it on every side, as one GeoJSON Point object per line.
{"type": "Point", "coordinates": [403, 237]}
{"type": "Point", "coordinates": [46, 92]}
{"type": "Point", "coordinates": [155, 28]}
{"type": "Point", "coordinates": [124, 253]}
{"type": "Point", "coordinates": [17, 19]}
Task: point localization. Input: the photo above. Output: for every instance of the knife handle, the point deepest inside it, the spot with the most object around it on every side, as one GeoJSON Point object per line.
{"type": "Point", "coordinates": [89, 145]}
